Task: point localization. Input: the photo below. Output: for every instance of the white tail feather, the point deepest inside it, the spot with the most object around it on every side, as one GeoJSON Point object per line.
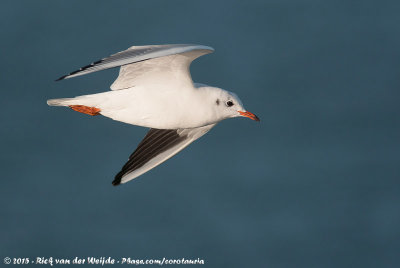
{"type": "Point", "coordinates": [88, 100]}
{"type": "Point", "coordinates": [61, 102]}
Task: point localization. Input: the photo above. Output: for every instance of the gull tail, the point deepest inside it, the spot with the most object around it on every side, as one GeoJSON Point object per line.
{"type": "Point", "coordinates": [79, 104]}
{"type": "Point", "coordinates": [61, 102]}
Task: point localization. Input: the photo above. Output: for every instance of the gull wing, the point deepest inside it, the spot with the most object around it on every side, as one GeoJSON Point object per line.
{"type": "Point", "coordinates": [148, 64]}
{"type": "Point", "coordinates": [157, 146]}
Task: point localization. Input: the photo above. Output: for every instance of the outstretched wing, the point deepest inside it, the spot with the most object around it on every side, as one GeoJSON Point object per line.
{"type": "Point", "coordinates": [141, 64]}
{"type": "Point", "coordinates": [157, 146]}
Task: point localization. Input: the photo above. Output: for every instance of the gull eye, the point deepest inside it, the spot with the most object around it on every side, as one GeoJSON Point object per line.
{"type": "Point", "coordinates": [229, 103]}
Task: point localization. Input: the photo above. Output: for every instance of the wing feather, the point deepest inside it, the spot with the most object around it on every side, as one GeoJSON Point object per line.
{"type": "Point", "coordinates": [138, 54]}
{"type": "Point", "coordinates": [157, 146]}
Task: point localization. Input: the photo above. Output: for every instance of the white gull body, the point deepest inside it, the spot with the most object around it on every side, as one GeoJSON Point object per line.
{"type": "Point", "coordinates": [154, 89]}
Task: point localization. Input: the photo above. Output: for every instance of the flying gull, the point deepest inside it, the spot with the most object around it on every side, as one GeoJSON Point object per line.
{"type": "Point", "coordinates": [154, 89]}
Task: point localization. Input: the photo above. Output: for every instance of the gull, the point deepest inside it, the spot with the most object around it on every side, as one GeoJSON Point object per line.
{"type": "Point", "coordinates": [154, 89]}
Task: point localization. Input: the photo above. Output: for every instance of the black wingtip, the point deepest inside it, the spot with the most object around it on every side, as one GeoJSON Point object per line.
{"type": "Point", "coordinates": [116, 183]}
{"type": "Point", "coordinates": [117, 179]}
{"type": "Point", "coordinates": [61, 78]}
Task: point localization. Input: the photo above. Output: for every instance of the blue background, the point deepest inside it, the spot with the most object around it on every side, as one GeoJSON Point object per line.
{"type": "Point", "coordinates": [315, 184]}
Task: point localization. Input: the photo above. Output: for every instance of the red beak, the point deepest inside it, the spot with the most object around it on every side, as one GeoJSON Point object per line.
{"type": "Point", "coordinates": [249, 115]}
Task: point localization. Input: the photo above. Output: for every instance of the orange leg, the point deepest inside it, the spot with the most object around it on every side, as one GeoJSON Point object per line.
{"type": "Point", "coordinates": [85, 109]}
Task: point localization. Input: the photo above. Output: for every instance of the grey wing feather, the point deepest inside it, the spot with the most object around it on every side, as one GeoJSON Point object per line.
{"type": "Point", "coordinates": [135, 54]}
{"type": "Point", "coordinates": [157, 146]}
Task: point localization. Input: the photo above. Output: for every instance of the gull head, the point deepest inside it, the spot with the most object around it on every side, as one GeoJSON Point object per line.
{"type": "Point", "coordinates": [228, 105]}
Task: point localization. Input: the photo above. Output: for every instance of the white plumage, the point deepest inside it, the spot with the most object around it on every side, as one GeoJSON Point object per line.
{"type": "Point", "coordinates": [154, 89]}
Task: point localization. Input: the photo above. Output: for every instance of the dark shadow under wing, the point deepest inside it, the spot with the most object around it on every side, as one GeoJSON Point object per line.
{"type": "Point", "coordinates": [154, 143]}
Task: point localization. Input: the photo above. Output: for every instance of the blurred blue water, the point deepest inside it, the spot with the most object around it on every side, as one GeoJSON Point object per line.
{"type": "Point", "coordinates": [315, 184]}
